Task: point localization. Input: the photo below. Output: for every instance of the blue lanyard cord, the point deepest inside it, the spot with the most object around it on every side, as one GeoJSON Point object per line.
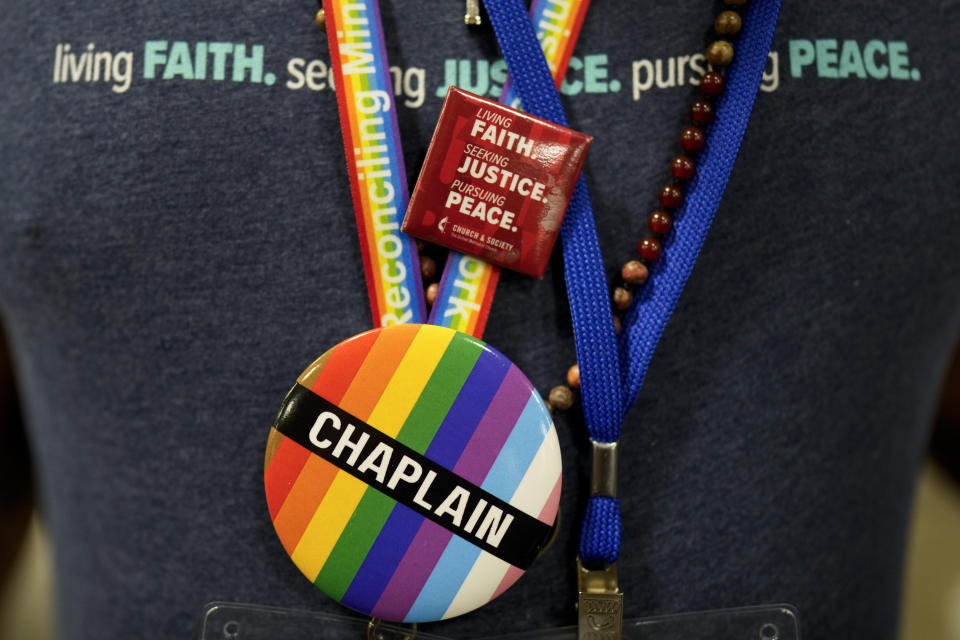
{"type": "Point", "coordinates": [612, 372]}
{"type": "Point", "coordinates": [583, 265]}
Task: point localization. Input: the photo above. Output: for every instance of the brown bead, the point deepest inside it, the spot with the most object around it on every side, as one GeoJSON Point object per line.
{"type": "Point", "coordinates": [712, 83]}
{"type": "Point", "coordinates": [622, 298]}
{"type": "Point", "coordinates": [671, 196]}
{"type": "Point", "coordinates": [728, 23]}
{"type": "Point", "coordinates": [649, 249]}
{"type": "Point", "coordinates": [573, 376]}
{"type": "Point", "coordinates": [321, 19]}
{"type": "Point", "coordinates": [428, 267]}
{"type": "Point", "coordinates": [617, 324]}
{"type": "Point", "coordinates": [682, 167]}
{"type": "Point", "coordinates": [660, 222]}
{"type": "Point", "coordinates": [431, 293]}
{"type": "Point", "coordinates": [701, 111]}
{"type": "Point", "coordinates": [720, 53]}
{"type": "Point", "coordinates": [692, 139]}
{"type": "Point", "coordinates": [634, 272]}
{"type": "Point", "coordinates": [421, 245]}
{"type": "Point", "coordinates": [549, 406]}
{"type": "Point", "coordinates": [561, 397]}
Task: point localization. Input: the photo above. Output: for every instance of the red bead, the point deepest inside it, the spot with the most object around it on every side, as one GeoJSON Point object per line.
{"type": "Point", "coordinates": [692, 139]}
{"type": "Point", "coordinates": [671, 196]}
{"type": "Point", "coordinates": [682, 168]}
{"type": "Point", "coordinates": [712, 83]}
{"type": "Point", "coordinates": [649, 249]}
{"type": "Point", "coordinates": [701, 111]}
{"type": "Point", "coordinates": [660, 222]}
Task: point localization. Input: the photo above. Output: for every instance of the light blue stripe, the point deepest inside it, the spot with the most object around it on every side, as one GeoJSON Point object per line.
{"type": "Point", "coordinates": [502, 480]}
{"type": "Point", "coordinates": [518, 451]}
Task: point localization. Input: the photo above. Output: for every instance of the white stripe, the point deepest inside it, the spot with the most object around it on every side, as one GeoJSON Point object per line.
{"type": "Point", "coordinates": [540, 478]}
{"type": "Point", "coordinates": [531, 496]}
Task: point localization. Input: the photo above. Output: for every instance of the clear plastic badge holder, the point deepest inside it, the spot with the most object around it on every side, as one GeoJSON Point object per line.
{"type": "Point", "coordinates": [235, 621]}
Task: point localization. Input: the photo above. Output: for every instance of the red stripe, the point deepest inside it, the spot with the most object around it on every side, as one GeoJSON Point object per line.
{"type": "Point", "coordinates": [308, 492]}
{"type": "Point", "coordinates": [344, 362]}
{"type": "Point", "coordinates": [289, 460]}
{"type": "Point", "coordinates": [282, 472]}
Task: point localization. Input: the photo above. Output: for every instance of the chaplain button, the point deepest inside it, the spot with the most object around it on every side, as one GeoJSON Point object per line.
{"type": "Point", "coordinates": [413, 473]}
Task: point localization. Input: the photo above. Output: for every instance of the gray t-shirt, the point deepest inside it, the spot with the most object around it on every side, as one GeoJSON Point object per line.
{"type": "Point", "coordinates": [178, 243]}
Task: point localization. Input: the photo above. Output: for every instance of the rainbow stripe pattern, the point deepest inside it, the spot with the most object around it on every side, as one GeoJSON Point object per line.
{"type": "Point", "coordinates": [378, 179]}
{"type": "Point", "coordinates": [451, 398]}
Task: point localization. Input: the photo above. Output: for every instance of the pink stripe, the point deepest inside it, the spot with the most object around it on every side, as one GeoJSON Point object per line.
{"type": "Point", "coordinates": [512, 575]}
{"type": "Point", "coordinates": [547, 514]}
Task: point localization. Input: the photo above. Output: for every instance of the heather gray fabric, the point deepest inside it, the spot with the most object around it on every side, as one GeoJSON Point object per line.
{"type": "Point", "coordinates": [172, 255]}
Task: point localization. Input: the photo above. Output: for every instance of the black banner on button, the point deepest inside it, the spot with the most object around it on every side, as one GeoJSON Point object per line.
{"type": "Point", "coordinates": [410, 478]}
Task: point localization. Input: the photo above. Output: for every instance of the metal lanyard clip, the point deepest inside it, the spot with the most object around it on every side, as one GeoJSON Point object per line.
{"type": "Point", "coordinates": [472, 15]}
{"type": "Point", "coordinates": [600, 605]}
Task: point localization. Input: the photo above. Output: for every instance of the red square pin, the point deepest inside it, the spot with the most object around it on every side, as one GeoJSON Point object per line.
{"type": "Point", "coordinates": [495, 183]}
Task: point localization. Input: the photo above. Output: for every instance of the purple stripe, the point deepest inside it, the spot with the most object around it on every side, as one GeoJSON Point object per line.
{"type": "Point", "coordinates": [418, 562]}
{"type": "Point", "coordinates": [470, 410]}
{"type": "Point", "coordinates": [465, 415]}
{"type": "Point", "coordinates": [474, 464]}
{"type": "Point", "coordinates": [497, 424]}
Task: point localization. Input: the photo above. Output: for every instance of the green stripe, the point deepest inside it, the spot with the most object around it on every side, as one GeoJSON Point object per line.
{"type": "Point", "coordinates": [354, 543]}
{"type": "Point", "coordinates": [441, 390]}
{"type": "Point", "coordinates": [417, 432]}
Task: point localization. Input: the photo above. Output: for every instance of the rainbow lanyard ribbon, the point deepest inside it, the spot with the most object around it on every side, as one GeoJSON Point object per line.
{"type": "Point", "coordinates": [371, 140]}
{"type": "Point", "coordinates": [378, 178]}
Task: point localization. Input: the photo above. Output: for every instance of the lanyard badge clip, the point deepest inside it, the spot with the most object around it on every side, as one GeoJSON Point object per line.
{"type": "Point", "coordinates": [600, 602]}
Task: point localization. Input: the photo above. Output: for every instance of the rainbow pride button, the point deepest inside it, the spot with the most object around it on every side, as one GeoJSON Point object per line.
{"type": "Point", "coordinates": [413, 473]}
